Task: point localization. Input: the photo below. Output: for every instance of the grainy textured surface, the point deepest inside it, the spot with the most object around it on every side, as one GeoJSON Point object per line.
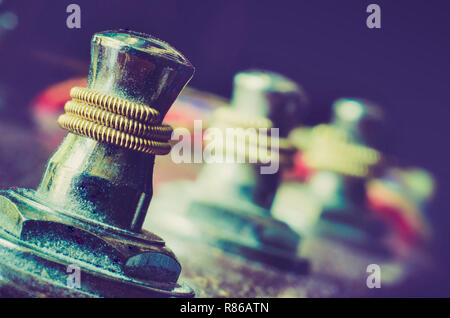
{"type": "Point", "coordinates": [337, 270]}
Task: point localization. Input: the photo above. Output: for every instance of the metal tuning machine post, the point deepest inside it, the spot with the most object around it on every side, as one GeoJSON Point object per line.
{"type": "Point", "coordinates": [88, 211]}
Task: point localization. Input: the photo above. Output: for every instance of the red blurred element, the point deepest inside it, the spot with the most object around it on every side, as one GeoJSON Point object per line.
{"type": "Point", "coordinates": [405, 219]}
{"type": "Point", "coordinates": [46, 108]}
{"type": "Point", "coordinates": [394, 216]}
{"type": "Point", "coordinates": [300, 170]}
{"type": "Point", "coordinates": [53, 98]}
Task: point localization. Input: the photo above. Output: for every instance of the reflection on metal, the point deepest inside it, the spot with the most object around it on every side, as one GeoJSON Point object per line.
{"type": "Point", "coordinates": [89, 208]}
{"type": "Point", "coordinates": [229, 204]}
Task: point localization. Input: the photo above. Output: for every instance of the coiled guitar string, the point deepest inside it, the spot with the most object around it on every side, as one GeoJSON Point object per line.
{"type": "Point", "coordinates": [116, 121]}
{"type": "Point", "coordinates": [255, 149]}
{"type": "Point", "coordinates": [326, 147]}
{"type": "Point", "coordinates": [116, 105]}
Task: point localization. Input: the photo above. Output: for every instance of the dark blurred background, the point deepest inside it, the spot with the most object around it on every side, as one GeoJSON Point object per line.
{"type": "Point", "coordinates": [325, 45]}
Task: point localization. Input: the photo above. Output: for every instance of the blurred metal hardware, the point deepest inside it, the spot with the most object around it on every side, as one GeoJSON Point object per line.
{"type": "Point", "coordinates": [89, 208]}
{"type": "Point", "coordinates": [229, 204]}
{"type": "Point", "coordinates": [401, 197]}
{"type": "Point", "coordinates": [343, 158]}
{"type": "Point", "coordinates": [348, 145]}
{"type": "Point", "coordinates": [330, 148]}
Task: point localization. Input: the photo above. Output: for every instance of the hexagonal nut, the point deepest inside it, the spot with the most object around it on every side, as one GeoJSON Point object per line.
{"type": "Point", "coordinates": [140, 256]}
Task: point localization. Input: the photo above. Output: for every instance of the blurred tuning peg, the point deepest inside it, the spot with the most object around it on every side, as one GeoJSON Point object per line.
{"type": "Point", "coordinates": [342, 155]}
{"type": "Point", "coordinates": [229, 203]}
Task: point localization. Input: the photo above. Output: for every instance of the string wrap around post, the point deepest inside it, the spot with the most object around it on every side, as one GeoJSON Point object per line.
{"type": "Point", "coordinates": [326, 147]}
{"type": "Point", "coordinates": [256, 147]}
{"type": "Point", "coordinates": [116, 121]}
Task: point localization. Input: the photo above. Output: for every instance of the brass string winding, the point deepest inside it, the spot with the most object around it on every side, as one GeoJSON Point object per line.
{"type": "Point", "coordinates": [254, 149]}
{"type": "Point", "coordinates": [116, 105]}
{"type": "Point", "coordinates": [228, 115]}
{"type": "Point", "coordinates": [326, 147]}
{"type": "Point", "coordinates": [112, 136]}
{"type": "Point", "coordinates": [116, 121]}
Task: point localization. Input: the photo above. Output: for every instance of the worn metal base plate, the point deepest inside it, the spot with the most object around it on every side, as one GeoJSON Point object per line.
{"type": "Point", "coordinates": [30, 268]}
{"type": "Point", "coordinates": [245, 232]}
